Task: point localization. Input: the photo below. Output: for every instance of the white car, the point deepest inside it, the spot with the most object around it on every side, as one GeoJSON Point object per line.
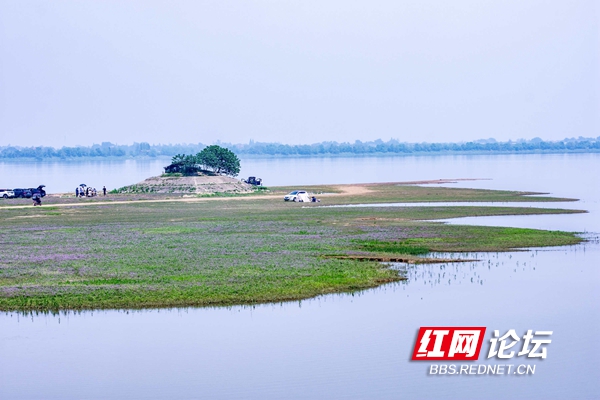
{"type": "Point", "coordinates": [296, 195]}
{"type": "Point", "coordinates": [7, 193]}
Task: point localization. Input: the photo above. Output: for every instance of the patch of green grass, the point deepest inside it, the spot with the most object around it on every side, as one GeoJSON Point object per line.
{"type": "Point", "coordinates": [396, 247]}
{"type": "Point", "coordinates": [480, 238]}
{"type": "Point", "coordinates": [243, 287]}
{"type": "Point", "coordinates": [227, 251]}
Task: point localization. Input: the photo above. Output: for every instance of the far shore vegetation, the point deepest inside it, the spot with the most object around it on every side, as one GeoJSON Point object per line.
{"type": "Point", "coordinates": [165, 250]}
{"type": "Point", "coordinates": [331, 149]}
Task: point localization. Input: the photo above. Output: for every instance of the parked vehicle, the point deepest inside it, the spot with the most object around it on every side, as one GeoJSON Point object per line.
{"type": "Point", "coordinates": [297, 195]}
{"type": "Point", "coordinates": [28, 193]}
{"type": "Point", "coordinates": [39, 190]}
{"type": "Point", "coordinates": [23, 193]}
{"type": "Point", "coordinates": [7, 193]}
{"type": "Point", "coordinates": [253, 181]}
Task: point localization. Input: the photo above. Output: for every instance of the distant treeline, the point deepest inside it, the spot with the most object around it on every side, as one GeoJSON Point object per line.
{"type": "Point", "coordinates": [106, 149]}
{"type": "Point", "coordinates": [393, 146]}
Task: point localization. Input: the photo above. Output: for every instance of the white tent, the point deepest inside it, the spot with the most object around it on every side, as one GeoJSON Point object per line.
{"type": "Point", "coordinates": [303, 197]}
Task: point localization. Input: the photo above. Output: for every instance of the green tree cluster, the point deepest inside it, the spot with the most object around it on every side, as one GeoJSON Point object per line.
{"type": "Point", "coordinates": [212, 158]}
{"type": "Point", "coordinates": [219, 160]}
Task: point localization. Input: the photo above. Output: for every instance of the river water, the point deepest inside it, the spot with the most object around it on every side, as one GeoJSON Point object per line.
{"type": "Point", "coordinates": [336, 346]}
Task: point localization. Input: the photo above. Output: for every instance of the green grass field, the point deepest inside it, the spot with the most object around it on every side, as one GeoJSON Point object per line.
{"type": "Point", "coordinates": [227, 251]}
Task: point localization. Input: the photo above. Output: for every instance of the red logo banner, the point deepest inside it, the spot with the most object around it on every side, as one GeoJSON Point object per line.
{"type": "Point", "coordinates": [448, 343]}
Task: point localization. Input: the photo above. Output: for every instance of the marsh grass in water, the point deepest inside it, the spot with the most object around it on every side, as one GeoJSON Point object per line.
{"type": "Point", "coordinates": [227, 251]}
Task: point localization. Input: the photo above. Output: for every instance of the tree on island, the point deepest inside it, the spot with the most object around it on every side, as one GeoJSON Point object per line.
{"type": "Point", "coordinates": [186, 165]}
{"type": "Point", "coordinates": [213, 158]}
{"type": "Point", "coordinates": [219, 160]}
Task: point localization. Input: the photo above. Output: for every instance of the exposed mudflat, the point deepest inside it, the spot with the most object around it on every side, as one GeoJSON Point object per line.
{"type": "Point", "coordinates": [201, 184]}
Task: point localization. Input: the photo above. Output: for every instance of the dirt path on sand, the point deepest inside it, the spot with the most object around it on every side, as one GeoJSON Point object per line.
{"type": "Point", "coordinates": [350, 189]}
{"type": "Point", "coordinates": [363, 188]}
{"type": "Point", "coordinates": [184, 199]}
{"type": "Point", "coordinates": [345, 190]}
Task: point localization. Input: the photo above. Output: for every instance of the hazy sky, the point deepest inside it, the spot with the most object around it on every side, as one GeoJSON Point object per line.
{"type": "Point", "coordinates": [83, 72]}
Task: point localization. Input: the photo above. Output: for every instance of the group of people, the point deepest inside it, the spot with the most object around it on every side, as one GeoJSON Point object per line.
{"type": "Point", "coordinates": [80, 191]}
{"type": "Point", "coordinates": [86, 191]}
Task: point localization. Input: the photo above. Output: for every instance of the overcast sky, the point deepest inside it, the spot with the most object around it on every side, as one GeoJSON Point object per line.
{"type": "Point", "coordinates": [83, 72]}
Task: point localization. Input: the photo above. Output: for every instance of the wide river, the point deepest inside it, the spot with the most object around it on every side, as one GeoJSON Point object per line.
{"type": "Point", "coordinates": [335, 346]}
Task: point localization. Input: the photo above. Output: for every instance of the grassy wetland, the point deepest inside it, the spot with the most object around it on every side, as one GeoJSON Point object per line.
{"type": "Point", "coordinates": [158, 250]}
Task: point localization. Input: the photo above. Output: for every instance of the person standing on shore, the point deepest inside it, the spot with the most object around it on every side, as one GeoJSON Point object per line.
{"type": "Point", "coordinates": [77, 192]}
{"type": "Point", "coordinates": [104, 190]}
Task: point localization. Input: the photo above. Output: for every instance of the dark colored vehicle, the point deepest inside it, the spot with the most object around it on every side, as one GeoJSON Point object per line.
{"type": "Point", "coordinates": [23, 193]}
{"type": "Point", "coordinates": [38, 190]}
{"type": "Point", "coordinates": [28, 193]}
{"type": "Point", "coordinates": [253, 181]}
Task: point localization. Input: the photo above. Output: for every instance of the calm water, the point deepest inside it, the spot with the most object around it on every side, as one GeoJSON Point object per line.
{"type": "Point", "coordinates": [515, 172]}
{"type": "Point", "coordinates": [339, 346]}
